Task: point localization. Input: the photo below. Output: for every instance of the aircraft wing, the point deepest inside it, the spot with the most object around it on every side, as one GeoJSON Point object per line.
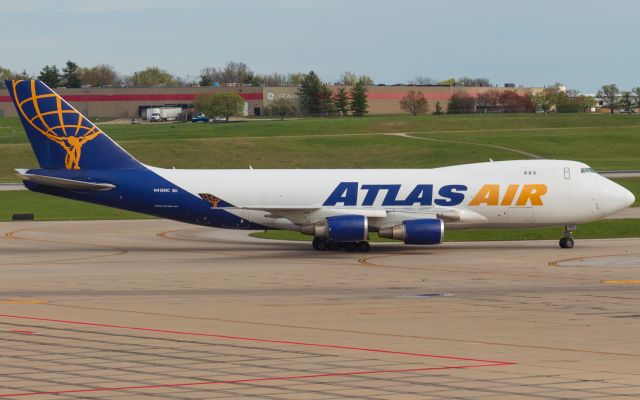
{"type": "Point", "coordinates": [309, 215]}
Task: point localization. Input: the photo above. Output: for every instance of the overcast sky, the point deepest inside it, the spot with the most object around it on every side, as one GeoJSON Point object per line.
{"type": "Point", "coordinates": [582, 43]}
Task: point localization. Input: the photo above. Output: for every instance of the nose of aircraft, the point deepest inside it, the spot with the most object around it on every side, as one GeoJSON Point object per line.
{"type": "Point", "coordinates": [630, 198]}
{"type": "Point", "coordinates": [615, 197]}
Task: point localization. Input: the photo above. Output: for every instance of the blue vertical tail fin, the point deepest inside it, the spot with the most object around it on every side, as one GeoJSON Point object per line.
{"type": "Point", "coordinates": [61, 137]}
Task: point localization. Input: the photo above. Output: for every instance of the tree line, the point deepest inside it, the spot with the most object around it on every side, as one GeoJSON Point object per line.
{"type": "Point", "coordinates": [554, 98]}
{"type": "Point", "coordinates": [72, 75]}
{"type": "Point", "coordinates": [315, 98]}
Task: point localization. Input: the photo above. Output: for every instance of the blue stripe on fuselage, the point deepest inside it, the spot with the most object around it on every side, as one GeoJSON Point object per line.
{"type": "Point", "coordinates": [141, 190]}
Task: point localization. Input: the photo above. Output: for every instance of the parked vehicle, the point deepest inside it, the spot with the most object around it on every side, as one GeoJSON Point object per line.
{"type": "Point", "coordinates": [162, 114]}
{"type": "Point", "coordinates": [199, 118]}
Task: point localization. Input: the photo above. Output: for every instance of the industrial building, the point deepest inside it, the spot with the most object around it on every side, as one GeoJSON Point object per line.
{"type": "Point", "coordinates": [130, 102]}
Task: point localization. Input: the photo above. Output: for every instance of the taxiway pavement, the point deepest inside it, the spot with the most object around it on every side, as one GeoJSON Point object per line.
{"type": "Point", "coordinates": [158, 309]}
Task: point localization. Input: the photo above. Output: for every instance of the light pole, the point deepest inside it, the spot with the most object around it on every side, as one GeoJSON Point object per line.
{"type": "Point", "coordinates": [86, 101]}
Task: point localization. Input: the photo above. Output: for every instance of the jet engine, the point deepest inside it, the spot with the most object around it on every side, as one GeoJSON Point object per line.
{"type": "Point", "coordinates": [339, 228]}
{"type": "Point", "coordinates": [416, 231]}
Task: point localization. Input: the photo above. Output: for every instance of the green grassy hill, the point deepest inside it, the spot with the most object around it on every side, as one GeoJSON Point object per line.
{"type": "Point", "coordinates": [604, 141]}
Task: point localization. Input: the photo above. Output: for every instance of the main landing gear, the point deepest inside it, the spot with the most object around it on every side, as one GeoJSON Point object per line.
{"type": "Point", "coordinates": [567, 241]}
{"type": "Point", "coordinates": [321, 244]}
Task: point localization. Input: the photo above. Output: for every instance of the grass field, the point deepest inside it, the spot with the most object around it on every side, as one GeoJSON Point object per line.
{"type": "Point", "coordinates": [51, 208]}
{"type": "Point", "coordinates": [594, 230]}
{"type": "Point", "coordinates": [603, 141]}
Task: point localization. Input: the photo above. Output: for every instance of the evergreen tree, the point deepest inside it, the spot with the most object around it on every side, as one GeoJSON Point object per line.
{"type": "Point", "coordinates": [23, 76]}
{"type": "Point", "coordinates": [359, 102]}
{"type": "Point", "coordinates": [341, 101]}
{"type": "Point", "coordinates": [636, 95]}
{"type": "Point", "coordinates": [50, 75]}
{"type": "Point", "coordinates": [71, 75]}
{"type": "Point", "coordinates": [326, 101]}
{"type": "Point", "coordinates": [438, 110]}
{"type": "Point", "coordinates": [626, 102]}
{"type": "Point", "coordinates": [310, 94]}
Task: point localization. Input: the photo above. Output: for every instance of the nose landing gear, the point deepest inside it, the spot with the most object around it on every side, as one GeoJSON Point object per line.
{"type": "Point", "coordinates": [567, 241]}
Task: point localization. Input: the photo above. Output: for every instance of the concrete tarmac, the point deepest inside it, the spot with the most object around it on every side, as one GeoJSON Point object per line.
{"type": "Point", "coordinates": [159, 309]}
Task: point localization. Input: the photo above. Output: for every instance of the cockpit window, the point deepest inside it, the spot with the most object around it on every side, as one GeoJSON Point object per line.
{"type": "Point", "coordinates": [587, 170]}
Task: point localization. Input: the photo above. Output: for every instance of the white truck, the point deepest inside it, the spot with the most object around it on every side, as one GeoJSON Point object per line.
{"type": "Point", "coordinates": [161, 114]}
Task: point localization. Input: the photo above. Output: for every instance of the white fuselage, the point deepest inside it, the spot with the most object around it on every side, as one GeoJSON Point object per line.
{"type": "Point", "coordinates": [520, 193]}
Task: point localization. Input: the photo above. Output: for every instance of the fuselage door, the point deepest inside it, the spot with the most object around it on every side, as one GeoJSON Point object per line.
{"type": "Point", "coordinates": [567, 173]}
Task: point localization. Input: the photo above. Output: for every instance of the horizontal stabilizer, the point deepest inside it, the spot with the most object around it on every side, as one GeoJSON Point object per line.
{"type": "Point", "coordinates": [63, 183]}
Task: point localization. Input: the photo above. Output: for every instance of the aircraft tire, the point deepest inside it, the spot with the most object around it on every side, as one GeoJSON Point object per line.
{"type": "Point", "coordinates": [364, 247]}
{"type": "Point", "coordinates": [319, 244]}
{"type": "Point", "coordinates": [351, 247]}
{"type": "Point", "coordinates": [333, 246]}
{"type": "Point", "coordinates": [567, 243]}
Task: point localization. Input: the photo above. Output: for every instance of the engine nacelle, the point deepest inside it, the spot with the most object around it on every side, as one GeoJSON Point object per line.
{"type": "Point", "coordinates": [339, 228]}
{"type": "Point", "coordinates": [416, 231]}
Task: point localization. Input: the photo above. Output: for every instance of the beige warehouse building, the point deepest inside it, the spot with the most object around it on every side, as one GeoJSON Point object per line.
{"type": "Point", "coordinates": [130, 102]}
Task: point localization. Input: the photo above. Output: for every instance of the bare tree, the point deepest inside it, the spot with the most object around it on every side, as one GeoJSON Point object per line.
{"type": "Point", "coordinates": [414, 103]}
{"type": "Point", "coordinates": [473, 82]}
{"type": "Point", "coordinates": [99, 75]}
{"type": "Point", "coordinates": [233, 72]}
{"type": "Point", "coordinates": [422, 80]}
{"type": "Point", "coordinates": [609, 96]}
{"type": "Point", "coordinates": [295, 78]}
{"type": "Point", "coordinates": [237, 72]}
{"type": "Point", "coordinates": [348, 78]}
{"type": "Point", "coordinates": [272, 79]}
{"type": "Point", "coordinates": [366, 80]}
{"type": "Point", "coordinates": [282, 107]}
{"type": "Point", "coordinates": [209, 75]}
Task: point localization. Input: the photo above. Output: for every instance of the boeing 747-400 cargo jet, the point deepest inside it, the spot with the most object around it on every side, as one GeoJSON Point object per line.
{"type": "Point", "coordinates": [338, 207]}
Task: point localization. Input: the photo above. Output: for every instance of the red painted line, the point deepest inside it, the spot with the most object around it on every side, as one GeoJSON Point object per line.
{"type": "Point", "coordinates": [138, 97]}
{"type": "Point", "coordinates": [398, 96]}
{"type": "Point", "coordinates": [218, 336]}
{"type": "Point", "coordinates": [236, 381]}
{"type": "Point", "coordinates": [481, 363]}
{"type": "Point", "coordinates": [23, 332]}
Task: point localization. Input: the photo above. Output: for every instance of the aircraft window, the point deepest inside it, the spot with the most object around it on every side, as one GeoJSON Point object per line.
{"type": "Point", "coordinates": [586, 170]}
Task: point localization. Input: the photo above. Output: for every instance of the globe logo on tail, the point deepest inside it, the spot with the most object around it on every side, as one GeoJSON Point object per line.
{"type": "Point", "coordinates": [51, 116]}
